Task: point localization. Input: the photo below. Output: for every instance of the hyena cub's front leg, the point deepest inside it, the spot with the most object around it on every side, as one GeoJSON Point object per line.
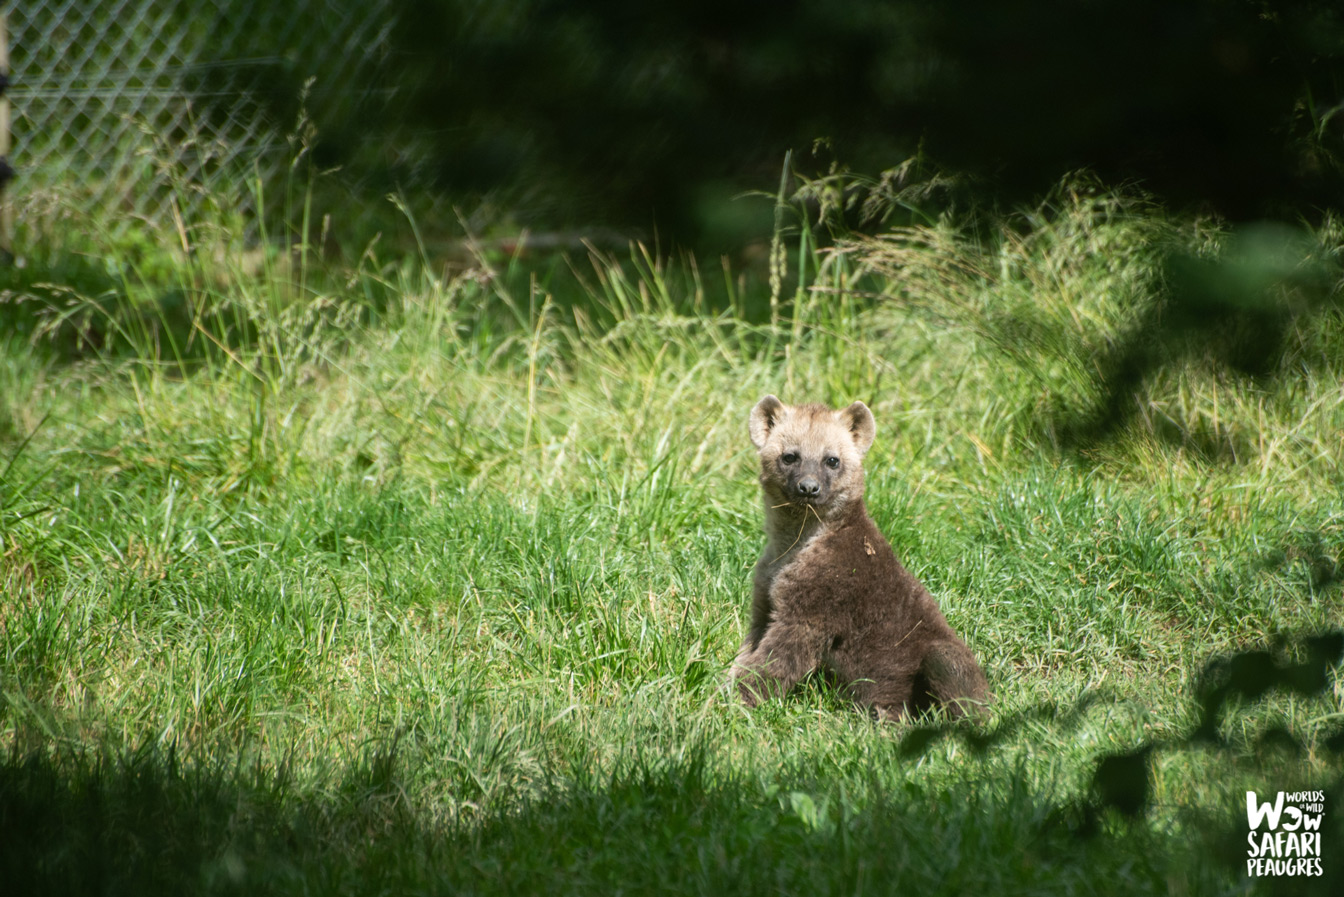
{"type": "Point", "coordinates": [760, 616]}
{"type": "Point", "coordinates": [783, 656]}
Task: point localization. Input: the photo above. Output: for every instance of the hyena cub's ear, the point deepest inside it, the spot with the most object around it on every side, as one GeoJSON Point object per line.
{"type": "Point", "coordinates": [859, 420]}
{"type": "Point", "coordinates": [764, 417]}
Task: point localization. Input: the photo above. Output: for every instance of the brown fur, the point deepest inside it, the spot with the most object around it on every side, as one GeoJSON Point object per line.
{"type": "Point", "coordinates": [829, 593]}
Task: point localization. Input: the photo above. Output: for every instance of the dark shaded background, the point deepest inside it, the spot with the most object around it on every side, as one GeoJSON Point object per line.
{"type": "Point", "coordinates": [602, 113]}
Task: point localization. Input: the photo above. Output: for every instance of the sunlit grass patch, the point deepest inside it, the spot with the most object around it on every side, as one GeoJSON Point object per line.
{"type": "Point", "coordinates": [429, 578]}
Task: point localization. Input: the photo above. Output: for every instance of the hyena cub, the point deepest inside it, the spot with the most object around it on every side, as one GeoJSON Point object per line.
{"type": "Point", "coordinates": [829, 593]}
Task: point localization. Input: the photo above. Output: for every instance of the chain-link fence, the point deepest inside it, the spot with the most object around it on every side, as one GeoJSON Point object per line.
{"type": "Point", "coordinates": [116, 104]}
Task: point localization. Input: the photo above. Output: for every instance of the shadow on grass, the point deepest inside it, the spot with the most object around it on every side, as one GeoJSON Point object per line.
{"type": "Point", "coordinates": [1236, 310]}
{"type": "Point", "coordinates": [148, 822]}
{"type": "Point", "coordinates": [1313, 549]}
{"type": "Point", "coordinates": [1122, 782]}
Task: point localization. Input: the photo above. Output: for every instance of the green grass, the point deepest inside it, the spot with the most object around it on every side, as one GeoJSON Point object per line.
{"type": "Point", "coordinates": [399, 580]}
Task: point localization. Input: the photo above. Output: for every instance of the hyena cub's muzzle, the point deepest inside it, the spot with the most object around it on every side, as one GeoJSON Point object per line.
{"type": "Point", "coordinates": [808, 481]}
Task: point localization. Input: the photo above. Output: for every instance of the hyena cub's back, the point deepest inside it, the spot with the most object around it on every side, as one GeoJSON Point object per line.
{"type": "Point", "coordinates": [828, 590]}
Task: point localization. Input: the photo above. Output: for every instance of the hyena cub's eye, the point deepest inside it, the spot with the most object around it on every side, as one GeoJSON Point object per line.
{"type": "Point", "coordinates": [789, 457]}
{"type": "Point", "coordinates": [832, 462]}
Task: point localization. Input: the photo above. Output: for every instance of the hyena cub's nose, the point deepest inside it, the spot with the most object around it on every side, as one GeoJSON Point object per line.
{"type": "Point", "coordinates": [808, 487]}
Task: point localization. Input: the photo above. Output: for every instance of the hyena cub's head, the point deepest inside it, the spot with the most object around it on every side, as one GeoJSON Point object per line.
{"type": "Point", "coordinates": [811, 455]}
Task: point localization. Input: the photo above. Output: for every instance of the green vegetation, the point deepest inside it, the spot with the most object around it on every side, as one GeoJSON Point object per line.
{"type": "Point", "coordinates": [407, 580]}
